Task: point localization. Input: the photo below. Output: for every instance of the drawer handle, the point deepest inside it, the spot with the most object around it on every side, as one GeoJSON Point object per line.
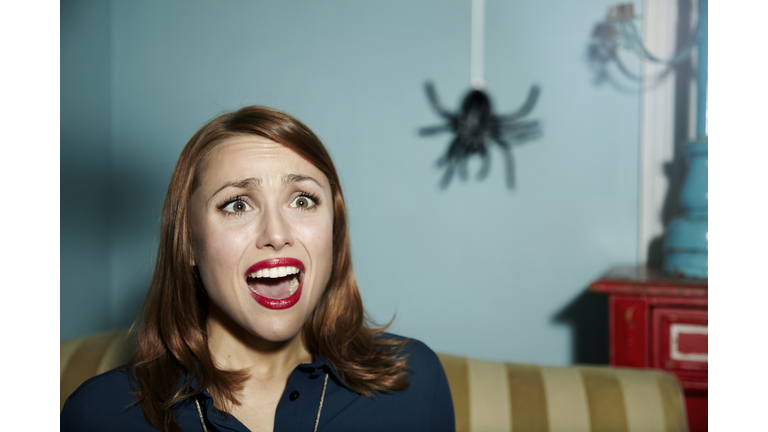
{"type": "Point", "coordinates": [689, 342]}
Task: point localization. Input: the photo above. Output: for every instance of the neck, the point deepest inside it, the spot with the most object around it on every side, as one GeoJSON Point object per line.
{"type": "Point", "coordinates": [234, 348]}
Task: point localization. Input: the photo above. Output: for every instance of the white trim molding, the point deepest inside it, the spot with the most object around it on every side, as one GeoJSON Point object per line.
{"type": "Point", "coordinates": [657, 123]}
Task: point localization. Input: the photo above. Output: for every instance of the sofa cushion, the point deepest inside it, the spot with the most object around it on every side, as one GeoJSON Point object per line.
{"type": "Point", "coordinates": [498, 396]}
{"type": "Point", "coordinates": [89, 356]}
{"type": "Point", "coordinates": [487, 396]}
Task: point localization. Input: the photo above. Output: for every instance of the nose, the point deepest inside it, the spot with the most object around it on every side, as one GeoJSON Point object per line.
{"type": "Point", "coordinates": [273, 230]}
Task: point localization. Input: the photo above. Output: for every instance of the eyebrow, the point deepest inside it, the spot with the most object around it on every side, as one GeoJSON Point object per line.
{"type": "Point", "coordinates": [246, 183]}
{"type": "Point", "coordinates": [254, 182]}
{"type": "Point", "coordinates": [295, 178]}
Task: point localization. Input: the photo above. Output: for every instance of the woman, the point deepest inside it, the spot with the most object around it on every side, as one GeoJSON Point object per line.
{"type": "Point", "coordinates": [253, 320]}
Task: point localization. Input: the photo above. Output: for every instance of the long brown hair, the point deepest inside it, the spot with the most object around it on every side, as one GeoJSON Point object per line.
{"type": "Point", "coordinates": [172, 337]}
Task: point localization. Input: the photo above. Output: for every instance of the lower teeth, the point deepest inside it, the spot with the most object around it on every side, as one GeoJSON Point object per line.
{"type": "Point", "coordinates": [293, 286]}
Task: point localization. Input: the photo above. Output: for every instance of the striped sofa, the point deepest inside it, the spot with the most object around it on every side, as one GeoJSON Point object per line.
{"type": "Point", "coordinates": [487, 396]}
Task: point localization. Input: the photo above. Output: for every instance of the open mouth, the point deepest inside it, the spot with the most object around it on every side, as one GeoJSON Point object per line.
{"type": "Point", "coordinates": [276, 283]}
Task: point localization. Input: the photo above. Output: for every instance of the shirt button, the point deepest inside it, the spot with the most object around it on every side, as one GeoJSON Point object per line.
{"type": "Point", "coordinates": [294, 395]}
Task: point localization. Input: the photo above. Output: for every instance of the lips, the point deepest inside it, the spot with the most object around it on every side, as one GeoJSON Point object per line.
{"type": "Point", "coordinates": [276, 283]}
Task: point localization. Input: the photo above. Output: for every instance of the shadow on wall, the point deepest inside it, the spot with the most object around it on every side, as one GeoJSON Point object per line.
{"type": "Point", "coordinates": [587, 315]}
{"type": "Point", "coordinates": [130, 308]}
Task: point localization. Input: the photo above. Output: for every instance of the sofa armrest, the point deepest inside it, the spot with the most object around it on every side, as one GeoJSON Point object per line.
{"type": "Point", "coordinates": [497, 396]}
{"type": "Point", "coordinates": [89, 356]}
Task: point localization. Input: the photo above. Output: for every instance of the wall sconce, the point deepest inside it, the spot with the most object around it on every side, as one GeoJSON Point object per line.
{"type": "Point", "coordinates": [619, 31]}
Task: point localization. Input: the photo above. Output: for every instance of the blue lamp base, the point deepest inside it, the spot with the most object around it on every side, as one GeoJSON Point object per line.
{"type": "Point", "coordinates": [687, 264]}
{"type": "Point", "coordinates": [686, 245]}
{"type": "Point", "coordinates": [686, 248]}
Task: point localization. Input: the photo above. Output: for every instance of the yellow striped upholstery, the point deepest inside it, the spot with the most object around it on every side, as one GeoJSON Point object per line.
{"type": "Point", "coordinates": [487, 396]}
{"type": "Point", "coordinates": [89, 356]}
{"type": "Point", "coordinates": [496, 396]}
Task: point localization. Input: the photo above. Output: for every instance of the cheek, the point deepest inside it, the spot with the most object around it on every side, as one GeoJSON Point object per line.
{"type": "Point", "coordinates": [217, 252]}
{"type": "Point", "coordinates": [318, 240]}
{"type": "Point", "coordinates": [323, 245]}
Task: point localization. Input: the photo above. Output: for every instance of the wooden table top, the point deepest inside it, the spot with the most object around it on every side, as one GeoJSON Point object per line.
{"type": "Point", "coordinates": [648, 280]}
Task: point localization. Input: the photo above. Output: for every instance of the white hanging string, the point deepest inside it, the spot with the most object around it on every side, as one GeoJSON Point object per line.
{"type": "Point", "coordinates": [478, 32]}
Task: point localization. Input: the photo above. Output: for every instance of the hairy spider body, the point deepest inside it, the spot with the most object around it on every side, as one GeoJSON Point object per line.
{"type": "Point", "coordinates": [475, 125]}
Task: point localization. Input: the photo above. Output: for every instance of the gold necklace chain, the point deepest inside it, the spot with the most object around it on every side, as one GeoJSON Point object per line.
{"type": "Point", "coordinates": [200, 413]}
{"type": "Point", "coordinates": [317, 420]}
{"type": "Point", "coordinates": [320, 408]}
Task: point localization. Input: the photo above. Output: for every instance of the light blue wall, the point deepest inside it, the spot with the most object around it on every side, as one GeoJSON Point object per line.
{"type": "Point", "coordinates": [85, 161]}
{"type": "Point", "coordinates": [475, 269]}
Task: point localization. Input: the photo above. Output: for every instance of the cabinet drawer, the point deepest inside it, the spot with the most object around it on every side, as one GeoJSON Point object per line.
{"type": "Point", "coordinates": [680, 340]}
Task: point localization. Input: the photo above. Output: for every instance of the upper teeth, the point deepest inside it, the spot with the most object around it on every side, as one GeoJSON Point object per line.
{"type": "Point", "coordinates": [274, 272]}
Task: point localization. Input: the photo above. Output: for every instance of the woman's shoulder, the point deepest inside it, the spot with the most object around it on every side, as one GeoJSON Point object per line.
{"type": "Point", "coordinates": [411, 345]}
{"type": "Point", "coordinates": [118, 381]}
{"type": "Point", "coordinates": [426, 404]}
{"type": "Point", "coordinates": [419, 356]}
{"type": "Point", "coordinates": [105, 399]}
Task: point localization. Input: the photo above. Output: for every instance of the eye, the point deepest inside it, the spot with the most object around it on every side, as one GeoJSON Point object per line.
{"type": "Point", "coordinates": [304, 202]}
{"type": "Point", "coordinates": [236, 206]}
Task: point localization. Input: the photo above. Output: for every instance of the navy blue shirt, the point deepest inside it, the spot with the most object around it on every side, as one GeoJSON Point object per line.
{"type": "Point", "coordinates": [104, 402]}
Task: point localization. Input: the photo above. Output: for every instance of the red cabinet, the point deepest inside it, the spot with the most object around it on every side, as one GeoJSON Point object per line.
{"type": "Point", "coordinates": [660, 322]}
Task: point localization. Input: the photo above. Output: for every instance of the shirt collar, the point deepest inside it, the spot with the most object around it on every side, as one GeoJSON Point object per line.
{"type": "Point", "coordinates": [320, 365]}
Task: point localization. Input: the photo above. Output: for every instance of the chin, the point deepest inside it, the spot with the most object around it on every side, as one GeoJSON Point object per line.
{"type": "Point", "coordinates": [280, 331]}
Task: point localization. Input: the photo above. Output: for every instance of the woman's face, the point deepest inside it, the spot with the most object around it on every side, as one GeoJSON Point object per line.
{"type": "Point", "coordinates": [262, 222]}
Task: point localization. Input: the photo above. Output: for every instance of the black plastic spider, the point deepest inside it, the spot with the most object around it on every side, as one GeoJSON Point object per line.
{"type": "Point", "coordinates": [474, 125]}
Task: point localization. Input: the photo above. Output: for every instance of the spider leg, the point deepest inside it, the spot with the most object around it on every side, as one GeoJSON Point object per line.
{"type": "Point", "coordinates": [510, 168]}
{"type": "Point", "coordinates": [519, 124]}
{"type": "Point", "coordinates": [462, 164]}
{"type": "Point", "coordinates": [533, 95]}
{"type": "Point", "coordinates": [522, 130]}
{"type": "Point", "coordinates": [446, 180]}
{"type": "Point", "coordinates": [450, 160]}
{"type": "Point", "coordinates": [486, 167]}
{"type": "Point", "coordinates": [464, 153]}
{"type": "Point", "coordinates": [431, 130]}
{"type": "Point", "coordinates": [451, 154]}
{"type": "Point", "coordinates": [510, 161]}
{"type": "Point", "coordinates": [432, 96]}
{"type": "Point", "coordinates": [526, 136]}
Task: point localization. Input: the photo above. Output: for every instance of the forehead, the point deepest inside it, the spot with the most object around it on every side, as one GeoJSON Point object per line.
{"type": "Point", "coordinates": [252, 148]}
{"type": "Point", "coordinates": [254, 156]}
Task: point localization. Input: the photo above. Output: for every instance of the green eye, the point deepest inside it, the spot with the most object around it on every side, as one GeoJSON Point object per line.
{"type": "Point", "coordinates": [303, 202]}
{"type": "Point", "coordinates": [235, 206]}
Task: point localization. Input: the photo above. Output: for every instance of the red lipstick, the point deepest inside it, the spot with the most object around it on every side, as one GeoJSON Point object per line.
{"type": "Point", "coordinates": [277, 304]}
